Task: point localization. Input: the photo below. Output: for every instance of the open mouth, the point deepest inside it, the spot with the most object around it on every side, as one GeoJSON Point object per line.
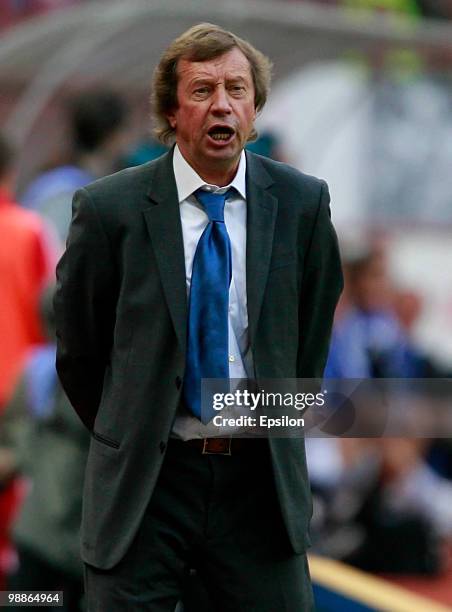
{"type": "Point", "coordinates": [221, 133]}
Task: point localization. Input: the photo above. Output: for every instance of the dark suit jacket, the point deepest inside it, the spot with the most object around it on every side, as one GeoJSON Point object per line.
{"type": "Point", "coordinates": [121, 313]}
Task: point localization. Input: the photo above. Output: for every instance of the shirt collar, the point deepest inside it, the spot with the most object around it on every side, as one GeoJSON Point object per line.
{"type": "Point", "coordinates": [188, 181]}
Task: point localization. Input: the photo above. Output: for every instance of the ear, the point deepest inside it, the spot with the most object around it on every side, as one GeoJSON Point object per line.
{"type": "Point", "coordinates": [171, 119]}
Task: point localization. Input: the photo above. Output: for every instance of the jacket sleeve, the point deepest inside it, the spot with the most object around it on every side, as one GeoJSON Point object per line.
{"type": "Point", "coordinates": [321, 287]}
{"type": "Point", "coordinates": [84, 309]}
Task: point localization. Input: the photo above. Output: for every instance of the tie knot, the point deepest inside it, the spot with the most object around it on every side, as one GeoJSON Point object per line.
{"type": "Point", "coordinates": [213, 203]}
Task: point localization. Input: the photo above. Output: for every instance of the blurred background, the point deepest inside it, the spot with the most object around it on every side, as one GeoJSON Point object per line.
{"type": "Point", "coordinates": [362, 98]}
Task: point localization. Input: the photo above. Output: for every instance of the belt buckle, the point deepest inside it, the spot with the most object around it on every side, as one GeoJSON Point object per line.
{"type": "Point", "coordinates": [217, 446]}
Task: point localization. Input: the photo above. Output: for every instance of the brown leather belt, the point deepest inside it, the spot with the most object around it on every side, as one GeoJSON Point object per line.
{"type": "Point", "coordinates": [225, 446]}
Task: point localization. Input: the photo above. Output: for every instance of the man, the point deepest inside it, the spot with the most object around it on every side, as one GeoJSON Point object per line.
{"type": "Point", "coordinates": [134, 308]}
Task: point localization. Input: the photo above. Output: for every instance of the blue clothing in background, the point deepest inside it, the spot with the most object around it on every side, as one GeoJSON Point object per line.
{"type": "Point", "coordinates": [50, 195]}
{"type": "Point", "coordinates": [41, 381]}
{"type": "Point", "coordinates": [371, 345]}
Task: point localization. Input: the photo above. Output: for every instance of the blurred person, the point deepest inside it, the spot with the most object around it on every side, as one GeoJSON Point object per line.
{"type": "Point", "coordinates": [42, 439]}
{"type": "Point", "coordinates": [99, 137]}
{"type": "Point", "coordinates": [27, 261]}
{"type": "Point", "coordinates": [383, 509]}
{"type": "Point", "coordinates": [368, 340]}
{"type": "Point", "coordinates": [411, 486]}
{"type": "Point", "coordinates": [407, 307]}
{"type": "Point", "coordinates": [162, 493]}
{"type": "Point", "coordinates": [406, 514]}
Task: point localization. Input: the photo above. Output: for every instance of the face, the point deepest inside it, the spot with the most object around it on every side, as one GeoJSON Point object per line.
{"type": "Point", "coordinates": [372, 286]}
{"type": "Point", "coordinates": [215, 113]}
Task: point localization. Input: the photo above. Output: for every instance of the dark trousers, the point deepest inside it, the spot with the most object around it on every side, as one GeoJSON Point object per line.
{"type": "Point", "coordinates": [217, 515]}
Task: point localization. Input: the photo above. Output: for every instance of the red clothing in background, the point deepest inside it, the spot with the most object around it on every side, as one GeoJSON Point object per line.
{"type": "Point", "coordinates": [26, 264]}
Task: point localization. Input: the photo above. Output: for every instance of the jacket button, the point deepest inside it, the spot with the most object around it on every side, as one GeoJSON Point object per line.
{"type": "Point", "coordinates": [162, 447]}
{"type": "Point", "coordinates": [178, 382]}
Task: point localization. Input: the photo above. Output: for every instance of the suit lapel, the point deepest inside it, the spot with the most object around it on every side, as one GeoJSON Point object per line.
{"type": "Point", "coordinates": [165, 230]}
{"type": "Point", "coordinates": [164, 227]}
{"type": "Point", "coordinates": [261, 215]}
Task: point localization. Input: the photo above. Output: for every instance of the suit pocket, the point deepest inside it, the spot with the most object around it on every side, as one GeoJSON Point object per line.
{"type": "Point", "coordinates": [105, 440]}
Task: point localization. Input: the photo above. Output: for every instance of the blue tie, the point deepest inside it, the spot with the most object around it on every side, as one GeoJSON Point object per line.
{"type": "Point", "coordinates": [207, 346]}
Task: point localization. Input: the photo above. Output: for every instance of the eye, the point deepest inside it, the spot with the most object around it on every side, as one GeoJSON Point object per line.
{"type": "Point", "coordinates": [201, 91]}
{"type": "Point", "coordinates": [237, 90]}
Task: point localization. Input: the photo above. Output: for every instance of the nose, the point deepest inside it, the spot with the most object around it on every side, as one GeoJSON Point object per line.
{"type": "Point", "coordinates": [220, 101]}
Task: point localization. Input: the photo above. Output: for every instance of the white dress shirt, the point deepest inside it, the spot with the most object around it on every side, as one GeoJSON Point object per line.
{"type": "Point", "coordinates": [194, 220]}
